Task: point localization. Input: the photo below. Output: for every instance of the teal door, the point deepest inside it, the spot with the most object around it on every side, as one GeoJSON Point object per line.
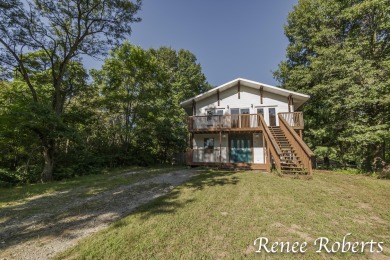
{"type": "Point", "coordinates": [240, 149]}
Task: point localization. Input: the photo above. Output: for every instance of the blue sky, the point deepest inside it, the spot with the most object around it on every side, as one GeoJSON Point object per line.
{"type": "Point", "coordinates": [230, 39]}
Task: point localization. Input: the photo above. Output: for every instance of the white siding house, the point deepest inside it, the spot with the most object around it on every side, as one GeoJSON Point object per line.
{"type": "Point", "coordinates": [238, 123]}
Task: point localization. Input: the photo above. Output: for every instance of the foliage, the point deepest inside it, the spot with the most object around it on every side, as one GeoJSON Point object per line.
{"type": "Point", "coordinates": [129, 114]}
{"type": "Point", "coordinates": [140, 95]}
{"type": "Point", "coordinates": [385, 173]}
{"type": "Point", "coordinates": [339, 53]}
{"type": "Point", "coordinates": [41, 43]}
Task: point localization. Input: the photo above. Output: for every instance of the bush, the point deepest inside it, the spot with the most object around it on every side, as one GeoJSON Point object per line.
{"type": "Point", "coordinates": [385, 173]}
{"type": "Point", "coordinates": [21, 175]}
{"type": "Point", "coordinates": [8, 178]}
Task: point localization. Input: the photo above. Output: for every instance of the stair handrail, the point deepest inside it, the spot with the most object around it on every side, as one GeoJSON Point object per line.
{"type": "Point", "coordinates": [275, 149]}
{"type": "Point", "coordinates": [297, 143]}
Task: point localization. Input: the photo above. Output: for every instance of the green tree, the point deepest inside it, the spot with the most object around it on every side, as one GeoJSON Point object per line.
{"type": "Point", "coordinates": [22, 120]}
{"type": "Point", "coordinates": [63, 30]}
{"type": "Point", "coordinates": [127, 81]}
{"type": "Point", "coordinates": [140, 95]}
{"type": "Point", "coordinates": [339, 53]}
{"type": "Point", "coordinates": [183, 79]}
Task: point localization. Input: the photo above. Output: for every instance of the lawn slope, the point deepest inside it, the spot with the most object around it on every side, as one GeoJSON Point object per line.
{"type": "Point", "coordinates": [219, 215]}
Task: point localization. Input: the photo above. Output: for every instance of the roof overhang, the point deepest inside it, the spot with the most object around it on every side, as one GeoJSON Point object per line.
{"type": "Point", "coordinates": [299, 98]}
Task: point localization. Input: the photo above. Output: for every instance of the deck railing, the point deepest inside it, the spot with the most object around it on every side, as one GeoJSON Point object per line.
{"type": "Point", "coordinates": [302, 150]}
{"type": "Point", "coordinates": [271, 145]}
{"type": "Point", "coordinates": [238, 121]}
{"type": "Point", "coordinates": [294, 119]}
{"type": "Point", "coordinates": [215, 155]}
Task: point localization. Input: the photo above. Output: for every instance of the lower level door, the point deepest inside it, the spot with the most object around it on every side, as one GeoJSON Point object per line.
{"type": "Point", "coordinates": [240, 150]}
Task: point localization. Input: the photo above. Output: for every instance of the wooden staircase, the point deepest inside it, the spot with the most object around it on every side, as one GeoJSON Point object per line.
{"type": "Point", "coordinates": [290, 162]}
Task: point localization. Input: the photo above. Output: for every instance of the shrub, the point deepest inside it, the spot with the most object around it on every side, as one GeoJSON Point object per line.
{"type": "Point", "coordinates": [385, 173]}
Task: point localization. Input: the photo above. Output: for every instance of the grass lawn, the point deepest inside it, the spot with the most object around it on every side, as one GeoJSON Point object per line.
{"type": "Point", "coordinates": [220, 214]}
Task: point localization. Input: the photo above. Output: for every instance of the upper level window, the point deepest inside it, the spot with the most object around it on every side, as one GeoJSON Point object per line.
{"type": "Point", "coordinates": [211, 113]}
{"type": "Point", "coordinates": [272, 116]}
{"type": "Point", "coordinates": [260, 111]}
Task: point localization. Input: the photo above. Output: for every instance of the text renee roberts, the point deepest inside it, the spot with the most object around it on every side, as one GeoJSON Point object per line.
{"type": "Point", "coordinates": [321, 244]}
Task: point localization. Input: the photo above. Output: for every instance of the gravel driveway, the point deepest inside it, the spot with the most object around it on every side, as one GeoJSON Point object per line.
{"type": "Point", "coordinates": [62, 223]}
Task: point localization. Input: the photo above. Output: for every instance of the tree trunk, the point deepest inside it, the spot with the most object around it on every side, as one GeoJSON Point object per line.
{"type": "Point", "coordinates": [48, 155]}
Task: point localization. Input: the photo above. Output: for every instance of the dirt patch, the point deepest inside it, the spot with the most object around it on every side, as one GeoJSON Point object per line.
{"type": "Point", "coordinates": [362, 205]}
{"type": "Point", "coordinates": [297, 230]}
{"type": "Point", "coordinates": [294, 229]}
{"type": "Point", "coordinates": [52, 223]}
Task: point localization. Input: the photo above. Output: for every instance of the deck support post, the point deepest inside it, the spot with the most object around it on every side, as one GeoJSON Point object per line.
{"type": "Point", "coordinates": [264, 157]}
{"type": "Point", "coordinates": [220, 148]}
{"type": "Point", "coordinates": [269, 161]}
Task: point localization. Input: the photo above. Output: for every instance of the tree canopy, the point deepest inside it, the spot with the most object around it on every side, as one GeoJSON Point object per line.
{"type": "Point", "coordinates": [57, 33]}
{"type": "Point", "coordinates": [128, 113]}
{"type": "Point", "coordinates": [339, 53]}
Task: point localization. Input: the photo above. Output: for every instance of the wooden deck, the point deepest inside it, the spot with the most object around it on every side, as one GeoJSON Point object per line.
{"type": "Point", "coordinates": [289, 132]}
{"type": "Point", "coordinates": [238, 122]}
{"type": "Point", "coordinates": [239, 166]}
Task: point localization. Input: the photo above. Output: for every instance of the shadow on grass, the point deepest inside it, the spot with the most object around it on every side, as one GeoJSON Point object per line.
{"type": "Point", "coordinates": [212, 178]}
{"type": "Point", "coordinates": [61, 213]}
{"type": "Point", "coordinates": [170, 202]}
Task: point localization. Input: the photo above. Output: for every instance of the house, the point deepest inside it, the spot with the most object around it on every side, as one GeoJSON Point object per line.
{"type": "Point", "coordinates": [250, 125]}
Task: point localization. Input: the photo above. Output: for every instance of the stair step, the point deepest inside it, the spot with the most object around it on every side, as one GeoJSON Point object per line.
{"type": "Point", "coordinates": [291, 162]}
{"type": "Point", "coordinates": [294, 172]}
{"type": "Point", "coordinates": [290, 159]}
{"type": "Point", "coordinates": [291, 167]}
{"type": "Point", "coordinates": [288, 163]}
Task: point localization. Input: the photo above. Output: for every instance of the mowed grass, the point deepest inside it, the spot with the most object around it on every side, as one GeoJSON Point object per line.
{"type": "Point", "coordinates": [219, 215]}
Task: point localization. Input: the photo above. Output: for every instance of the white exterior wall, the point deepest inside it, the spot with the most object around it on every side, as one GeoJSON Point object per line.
{"type": "Point", "coordinates": [200, 155]}
{"type": "Point", "coordinates": [249, 98]}
{"type": "Point", "coordinates": [258, 149]}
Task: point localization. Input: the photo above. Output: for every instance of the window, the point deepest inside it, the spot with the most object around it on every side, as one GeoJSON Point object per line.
{"type": "Point", "coordinates": [235, 117]}
{"type": "Point", "coordinates": [260, 111]}
{"type": "Point", "coordinates": [209, 143]}
{"type": "Point", "coordinates": [235, 111]}
{"type": "Point", "coordinates": [244, 111]}
{"type": "Point", "coordinates": [272, 116]}
{"type": "Point", "coordinates": [209, 115]}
